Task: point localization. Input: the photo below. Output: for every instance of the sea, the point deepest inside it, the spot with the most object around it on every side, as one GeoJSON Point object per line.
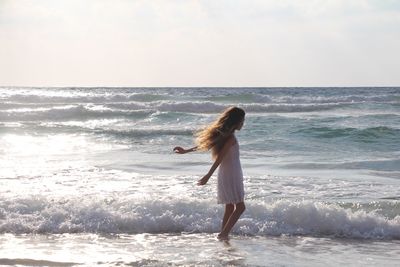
{"type": "Point", "coordinates": [88, 177]}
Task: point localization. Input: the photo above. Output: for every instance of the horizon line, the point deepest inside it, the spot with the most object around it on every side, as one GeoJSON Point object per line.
{"type": "Point", "coordinates": [169, 87]}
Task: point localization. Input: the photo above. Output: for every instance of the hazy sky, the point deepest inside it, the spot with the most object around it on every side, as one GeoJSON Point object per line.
{"type": "Point", "coordinates": [200, 43]}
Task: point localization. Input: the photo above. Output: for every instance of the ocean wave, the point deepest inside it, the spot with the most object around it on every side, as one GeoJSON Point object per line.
{"type": "Point", "coordinates": [240, 98]}
{"type": "Point", "coordinates": [191, 107]}
{"type": "Point", "coordinates": [88, 96]}
{"type": "Point", "coordinates": [135, 133]}
{"type": "Point", "coordinates": [92, 127]}
{"type": "Point", "coordinates": [370, 134]}
{"type": "Point", "coordinates": [70, 112]}
{"type": "Point", "coordinates": [240, 95]}
{"type": "Point", "coordinates": [291, 108]}
{"type": "Point", "coordinates": [210, 107]}
{"type": "Point", "coordinates": [339, 99]}
{"type": "Point", "coordinates": [133, 216]}
{"type": "Point", "coordinates": [132, 109]}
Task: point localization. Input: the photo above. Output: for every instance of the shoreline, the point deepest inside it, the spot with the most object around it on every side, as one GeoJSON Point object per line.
{"type": "Point", "coordinates": [195, 249]}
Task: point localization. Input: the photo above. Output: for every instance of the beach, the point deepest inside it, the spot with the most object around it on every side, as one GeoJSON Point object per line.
{"type": "Point", "coordinates": [88, 177]}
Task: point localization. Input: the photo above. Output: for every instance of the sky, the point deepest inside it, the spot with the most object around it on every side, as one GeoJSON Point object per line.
{"type": "Point", "coordinates": [179, 43]}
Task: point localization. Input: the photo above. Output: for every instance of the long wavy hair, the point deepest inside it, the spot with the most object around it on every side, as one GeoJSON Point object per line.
{"type": "Point", "coordinates": [217, 133]}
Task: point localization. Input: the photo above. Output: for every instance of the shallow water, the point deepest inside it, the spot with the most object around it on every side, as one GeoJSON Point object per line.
{"type": "Point", "coordinates": [194, 249]}
{"type": "Point", "coordinates": [88, 177]}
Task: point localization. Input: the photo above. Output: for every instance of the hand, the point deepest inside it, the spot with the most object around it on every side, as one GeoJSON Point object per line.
{"type": "Point", "coordinates": [203, 180]}
{"type": "Point", "coordinates": [179, 150]}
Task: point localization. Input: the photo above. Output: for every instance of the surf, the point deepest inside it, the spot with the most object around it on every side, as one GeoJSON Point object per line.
{"type": "Point", "coordinates": [47, 215]}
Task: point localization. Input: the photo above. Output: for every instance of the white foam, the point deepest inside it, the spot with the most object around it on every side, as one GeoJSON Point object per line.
{"type": "Point", "coordinates": [88, 111]}
{"type": "Point", "coordinates": [96, 215]}
{"type": "Point", "coordinates": [210, 107]}
{"type": "Point", "coordinates": [324, 99]}
{"type": "Point", "coordinates": [68, 112]}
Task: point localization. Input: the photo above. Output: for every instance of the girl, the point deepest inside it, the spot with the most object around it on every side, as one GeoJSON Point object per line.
{"type": "Point", "coordinates": [219, 137]}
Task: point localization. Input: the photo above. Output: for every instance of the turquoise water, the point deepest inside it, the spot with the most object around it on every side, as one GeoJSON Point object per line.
{"type": "Point", "coordinates": [321, 167]}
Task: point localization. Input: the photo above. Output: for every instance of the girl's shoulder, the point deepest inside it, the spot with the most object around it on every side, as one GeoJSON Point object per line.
{"type": "Point", "coordinates": [231, 140]}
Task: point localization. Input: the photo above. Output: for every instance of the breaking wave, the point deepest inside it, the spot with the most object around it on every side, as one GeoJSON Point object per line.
{"type": "Point", "coordinates": [89, 111]}
{"type": "Point", "coordinates": [132, 216]}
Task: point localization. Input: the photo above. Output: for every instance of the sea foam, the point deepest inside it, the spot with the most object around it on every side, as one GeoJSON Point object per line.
{"type": "Point", "coordinates": [168, 215]}
{"type": "Point", "coordinates": [81, 111]}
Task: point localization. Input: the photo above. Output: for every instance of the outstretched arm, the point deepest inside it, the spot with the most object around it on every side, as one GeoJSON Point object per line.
{"type": "Point", "coordinates": [218, 161]}
{"type": "Point", "coordinates": [181, 150]}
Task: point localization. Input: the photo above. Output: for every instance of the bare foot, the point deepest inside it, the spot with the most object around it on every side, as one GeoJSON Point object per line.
{"type": "Point", "coordinates": [222, 237]}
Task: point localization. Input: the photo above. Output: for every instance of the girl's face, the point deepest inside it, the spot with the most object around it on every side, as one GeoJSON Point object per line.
{"type": "Point", "coordinates": [240, 125]}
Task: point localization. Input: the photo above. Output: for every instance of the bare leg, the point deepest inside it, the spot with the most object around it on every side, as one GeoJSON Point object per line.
{"type": "Point", "coordinates": [239, 209]}
{"type": "Point", "coordinates": [228, 212]}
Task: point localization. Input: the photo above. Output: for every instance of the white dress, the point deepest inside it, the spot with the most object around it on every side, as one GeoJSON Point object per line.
{"type": "Point", "coordinates": [230, 177]}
